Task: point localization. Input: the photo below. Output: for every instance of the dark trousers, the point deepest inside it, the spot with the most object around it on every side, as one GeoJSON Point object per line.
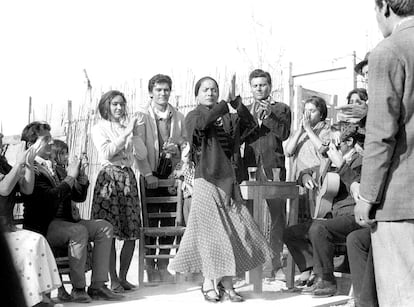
{"type": "Point", "coordinates": [75, 237]}
{"type": "Point", "coordinates": [312, 244]}
{"type": "Point", "coordinates": [358, 244]}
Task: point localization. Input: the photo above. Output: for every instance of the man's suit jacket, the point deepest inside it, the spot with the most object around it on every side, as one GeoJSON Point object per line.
{"type": "Point", "coordinates": [41, 206]}
{"type": "Point", "coordinates": [388, 165]}
{"type": "Point", "coordinates": [266, 143]}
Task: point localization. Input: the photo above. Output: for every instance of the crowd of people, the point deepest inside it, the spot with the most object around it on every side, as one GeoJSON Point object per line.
{"type": "Point", "coordinates": [366, 154]}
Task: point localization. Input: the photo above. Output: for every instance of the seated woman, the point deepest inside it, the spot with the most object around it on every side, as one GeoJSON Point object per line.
{"type": "Point", "coordinates": [307, 146]}
{"type": "Point", "coordinates": [30, 251]}
{"type": "Point", "coordinates": [221, 239]}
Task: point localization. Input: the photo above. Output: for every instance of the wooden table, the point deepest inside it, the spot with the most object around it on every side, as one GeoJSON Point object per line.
{"type": "Point", "coordinates": [258, 192]}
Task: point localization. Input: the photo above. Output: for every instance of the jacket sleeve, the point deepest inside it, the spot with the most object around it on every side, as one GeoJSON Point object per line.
{"type": "Point", "coordinates": [199, 120]}
{"type": "Point", "coordinates": [351, 172]}
{"type": "Point", "coordinates": [279, 120]}
{"type": "Point", "coordinates": [79, 191]}
{"type": "Point", "coordinates": [142, 162]}
{"type": "Point", "coordinates": [247, 123]}
{"type": "Point", "coordinates": [386, 86]}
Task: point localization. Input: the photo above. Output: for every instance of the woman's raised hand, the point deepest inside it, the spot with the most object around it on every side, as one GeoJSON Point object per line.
{"type": "Point", "coordinates": [306, 121]}
{"type": "Point", "coordinates": [131, 125]}
{"type": "Point", "coordinates": [34, 149]}
{"type": "Point", "coordinates": [22, 157]}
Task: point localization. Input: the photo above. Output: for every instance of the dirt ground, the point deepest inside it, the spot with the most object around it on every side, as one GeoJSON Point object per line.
{"type": "Point", "coordinates": [188, 293]}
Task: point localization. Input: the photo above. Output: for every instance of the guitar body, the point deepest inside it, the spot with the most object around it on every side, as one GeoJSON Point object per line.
{"type": "Point", "coordinates": [327, 191]}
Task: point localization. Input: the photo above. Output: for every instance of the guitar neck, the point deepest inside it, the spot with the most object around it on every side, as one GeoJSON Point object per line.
{"type": "Point", "coordinates": [325, 169]}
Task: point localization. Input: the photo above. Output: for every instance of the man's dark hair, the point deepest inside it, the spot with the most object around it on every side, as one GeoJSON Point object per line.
{"type": "Point", "coordinates": [159, 78]}
{"type": "Point", "coordinates": [31, 131]}
{"type": "Point", "coordinates": [320, 104]}
{"type": "Point", "coordinates": [259, 73]}
{"type": "Point", "coordinates": [354, 131]}
{"type": "Point", "coordinates": [105, 102]}
{"type": "Point", "coordinates": [401, 8]}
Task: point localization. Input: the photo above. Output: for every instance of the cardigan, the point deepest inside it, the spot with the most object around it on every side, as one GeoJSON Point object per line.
{"type": "Point", "coordinates": [211, 161]}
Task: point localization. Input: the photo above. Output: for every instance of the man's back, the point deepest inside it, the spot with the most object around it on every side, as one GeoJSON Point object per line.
{"type": "Point", "coordinates": [391, 125]}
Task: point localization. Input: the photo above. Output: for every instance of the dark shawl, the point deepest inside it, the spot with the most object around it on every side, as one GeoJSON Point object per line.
{"type": "Point", "coordinates": [212, 164]}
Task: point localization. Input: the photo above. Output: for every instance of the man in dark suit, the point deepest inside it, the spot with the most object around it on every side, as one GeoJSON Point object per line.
{"type": "Point", "coordinates": [48, 210]}
{"type": "Point", "coordinates": [312, 244]}
{"type": "Point", "coordinates": [264, 150]}
{"type": "Point", "coordinates": [386, 199]}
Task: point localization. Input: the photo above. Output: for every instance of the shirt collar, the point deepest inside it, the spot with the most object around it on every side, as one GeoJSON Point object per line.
{"type": "Point", "coordinates": [163, 115]}
{"type": "Point", "coordinates": [401, 22]}
{"type": "Point", "coordinates": [46, 163]}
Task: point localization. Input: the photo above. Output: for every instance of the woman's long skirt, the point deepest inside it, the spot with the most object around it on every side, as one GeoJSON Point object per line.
{"type": "Point", "coordinates": [219, 240]}
{"type": "Point", "coordinates": [116, 200]}
{"type": "Point", "coordinates": [35, 264]}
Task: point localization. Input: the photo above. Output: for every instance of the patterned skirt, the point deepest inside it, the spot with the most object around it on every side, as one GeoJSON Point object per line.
{"type": "Point", "coordinates": [219, 240]}
{"type": "Point", "coordinates": [35, 264]}
{"type": "Point", "coordinates": [116, 199]}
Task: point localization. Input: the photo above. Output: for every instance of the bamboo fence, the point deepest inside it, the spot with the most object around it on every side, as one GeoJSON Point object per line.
{"type": "Point", "coordinates": [75, 125]}
{"type": "Point", "coordinates": [78, 130]}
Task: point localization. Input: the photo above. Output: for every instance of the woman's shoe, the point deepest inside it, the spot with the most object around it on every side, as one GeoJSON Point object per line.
{"type": "Point", "coordinates": [210, 298]}
{"type": "Point", "coordinates": [230, 293]}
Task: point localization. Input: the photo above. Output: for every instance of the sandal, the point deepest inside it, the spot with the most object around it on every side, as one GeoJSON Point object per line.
{"type": "Point", "coordinates": [210, 298]}
{"type": "Point", "coordinates": [230, 293]}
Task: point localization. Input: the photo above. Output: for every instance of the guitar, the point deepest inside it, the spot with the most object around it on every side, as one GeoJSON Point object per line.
{"type": "Point", "coordinates": [328, 187]}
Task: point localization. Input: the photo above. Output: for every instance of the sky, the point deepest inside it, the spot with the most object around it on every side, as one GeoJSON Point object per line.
{"type": "Point", "coordinates": [46, 45]}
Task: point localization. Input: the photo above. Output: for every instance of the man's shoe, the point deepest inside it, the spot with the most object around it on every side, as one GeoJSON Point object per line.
{"type": "Point", "coordinates": [166, 276]}
{"type": "Point", "coordinates": [311, 289]}
{"type": "Point", "coordinates": [153, 275]}
{"type": "Point", "coordinates": [80, 296]}
{"type": "Point", "coordinates": [311, 280]}
{"type": "Point", "coordinates": [300, 283]}
{"type": "Point", "coordinates": [103, 293]}
{"type": "Point", "coordinates": [63, 295]}
{"type": "Point", "coordinates": [328, 288]}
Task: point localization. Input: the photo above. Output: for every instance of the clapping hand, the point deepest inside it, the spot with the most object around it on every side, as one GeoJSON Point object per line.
{"type": "Point", "coordinates": [264, 109]}
{"type": "Point", "coordinates": [74, 168]}
{"type": "Point", "coordinates": [131, 125]}
{"type": "Point", "coordinates": [34, 150]}
{"type": "Point", "coordinates": [306, 121]}
{"type": "Point", "coordinates": [171, 148]}
{"type": "Point", "coordinates": [84, 162]}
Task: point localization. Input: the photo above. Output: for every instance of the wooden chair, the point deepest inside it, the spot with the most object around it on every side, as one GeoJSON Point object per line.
{"type": "Point", "coordinates": [61, 255]}
{"type": "Point", "coordinates": [163, 231]}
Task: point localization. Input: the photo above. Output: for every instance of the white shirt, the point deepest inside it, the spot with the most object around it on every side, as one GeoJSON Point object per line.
{"type": "Point", "coordinates": [113, 148]}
